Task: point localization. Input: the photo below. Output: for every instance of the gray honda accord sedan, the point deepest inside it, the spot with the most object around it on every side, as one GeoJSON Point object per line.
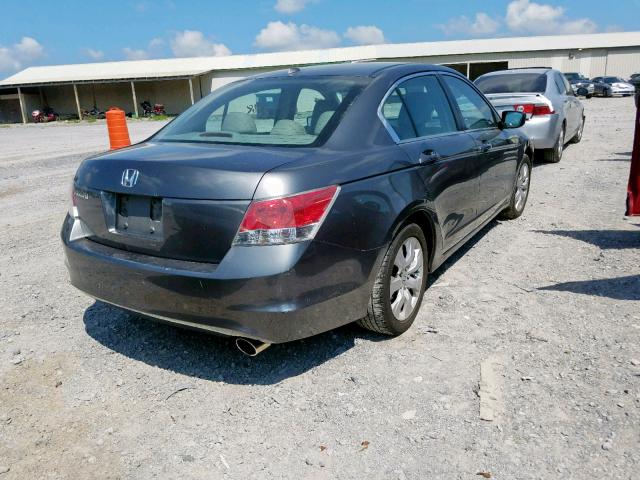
{"type": "Point", "coordinates": [290, 203]}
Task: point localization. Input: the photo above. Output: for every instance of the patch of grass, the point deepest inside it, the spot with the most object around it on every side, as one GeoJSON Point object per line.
{"type": "Point", "coordinates": [4, 125]}
{"type": "Point", "coordinates": [91, 119]}
{"type": "Point", "coordinates": [156, 118]}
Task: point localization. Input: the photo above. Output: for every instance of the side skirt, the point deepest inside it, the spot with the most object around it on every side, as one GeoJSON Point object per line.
{"type": "Point", "coordinates": [492, 214]}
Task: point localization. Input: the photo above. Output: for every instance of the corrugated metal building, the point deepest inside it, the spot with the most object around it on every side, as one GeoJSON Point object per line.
{"type": "Point", "coordinates": [179, 82]}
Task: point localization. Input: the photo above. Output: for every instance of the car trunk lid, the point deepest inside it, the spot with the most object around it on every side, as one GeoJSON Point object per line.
{"type": "Point", "coordinates": [172, 200]}
{"type": "Point", "coordinates": [515, 101]}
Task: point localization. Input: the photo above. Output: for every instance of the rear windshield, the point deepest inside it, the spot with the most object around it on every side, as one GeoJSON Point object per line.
{"type": "Point", "coordinates": [278, 111]}
{"type": "Point", "coordinates": [513, 83]}
{"type": "Point", "coordinates": [613, 80]}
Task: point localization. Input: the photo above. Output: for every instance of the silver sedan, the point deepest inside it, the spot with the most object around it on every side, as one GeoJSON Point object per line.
{"type": "Point", "coordinates": [554, 115]}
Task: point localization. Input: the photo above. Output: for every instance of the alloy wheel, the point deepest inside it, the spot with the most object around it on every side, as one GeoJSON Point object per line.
{"type": "Point", "coordinates": [406, 278]}
{"type": "Point", "coordinates": [560, 146]}
{"type": "Point", "coordinates": [522, 186]}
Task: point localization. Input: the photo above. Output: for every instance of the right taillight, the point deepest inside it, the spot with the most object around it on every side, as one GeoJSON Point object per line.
{"type": "Point", "coordinates": [73, 208]}
{"type": "Point", "coordinates": [290, 219]}
{"type": "Point", "coordinates": [542, 109]}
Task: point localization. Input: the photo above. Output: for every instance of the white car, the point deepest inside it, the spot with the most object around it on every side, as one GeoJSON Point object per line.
{"type": "Point", "coordinates": [619, 86]}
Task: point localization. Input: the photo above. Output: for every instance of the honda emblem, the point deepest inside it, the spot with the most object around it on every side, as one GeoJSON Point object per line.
{"type": "Point", "coordinates": [129, 177]}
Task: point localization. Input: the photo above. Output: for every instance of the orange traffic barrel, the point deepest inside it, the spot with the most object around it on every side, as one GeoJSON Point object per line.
{"type": "Point", "coordinates": [117, 126]}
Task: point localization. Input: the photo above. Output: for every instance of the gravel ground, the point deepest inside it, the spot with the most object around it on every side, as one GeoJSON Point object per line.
{"type": "Point", "coordinates": [546, 307]}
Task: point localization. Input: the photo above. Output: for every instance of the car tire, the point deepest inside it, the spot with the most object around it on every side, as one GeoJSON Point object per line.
{"type": "Point", "coordinates": [554, 155]}
{"type": "Point", "coordinates": [520, 192]}
{"type": "Point", "coordinates": [578, 136]}
{"type": "Point", "coordinates": [393, 312]}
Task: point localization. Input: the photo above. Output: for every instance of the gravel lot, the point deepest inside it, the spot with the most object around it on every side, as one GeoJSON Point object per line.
{"type": "Point", "coordinates": [546, 307]}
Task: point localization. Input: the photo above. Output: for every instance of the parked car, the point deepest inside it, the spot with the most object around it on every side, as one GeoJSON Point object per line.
{"type": "Point", "coordinates": [279, 228]}
{"type": "Point", "coordinates": [618, 85]}
{"type": "Point", "coordinates": [634, 78]}
{"type": "Point", "coordinates": [554, 114]}
{"type": "Point", "coordinates": [582, 86]}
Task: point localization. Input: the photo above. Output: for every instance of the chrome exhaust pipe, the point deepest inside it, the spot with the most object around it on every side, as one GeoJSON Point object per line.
{"type": "Point", "coordinates": [251, 347]}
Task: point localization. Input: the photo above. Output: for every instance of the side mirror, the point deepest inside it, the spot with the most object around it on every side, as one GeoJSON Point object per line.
{"type": "Point", "coordinates": [513, 119]}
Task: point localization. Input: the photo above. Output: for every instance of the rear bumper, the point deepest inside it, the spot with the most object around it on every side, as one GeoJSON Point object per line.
{"type": "Point", "coordinates": [543, 130]}
{"type": "Point", "coordinates": [274, 294]}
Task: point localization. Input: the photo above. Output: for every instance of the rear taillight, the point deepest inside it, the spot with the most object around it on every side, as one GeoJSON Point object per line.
{"type": "Point", "coordinates": [287, 219]}
{"type": "Point", "coordinates": [524, 108]}
{"type": "Point", "coordinates": [542, 109]}
{"type": "Point", "coordinates": [533, 109]}
{"type": "Point", "coordinates": [73, 208]}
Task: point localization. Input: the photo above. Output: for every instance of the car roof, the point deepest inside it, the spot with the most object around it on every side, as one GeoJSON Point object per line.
{"type": "Point", "coordinates": [358, 69]}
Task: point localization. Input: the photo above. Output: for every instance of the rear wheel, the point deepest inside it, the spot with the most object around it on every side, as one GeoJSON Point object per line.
{"type": "Point", "coordinates": [578, 136]}
{"type": "Point", "coordinates": [400, 284]}
{"type": "Point", "coordinates": [554, 155]}
{"type": "Point", "coordinates": [520, 192]}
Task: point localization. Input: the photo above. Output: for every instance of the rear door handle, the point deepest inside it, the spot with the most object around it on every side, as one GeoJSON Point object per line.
{"type": "Point", "coordinates": [429, 156]}
{"type": "Point", "coordinates": [484, 148]}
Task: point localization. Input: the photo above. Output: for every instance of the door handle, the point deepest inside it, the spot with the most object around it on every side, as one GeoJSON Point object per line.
{"type": "Point", "coordinates": [484, 148]}
{"type": "Point", "coordinates": [429, 156]}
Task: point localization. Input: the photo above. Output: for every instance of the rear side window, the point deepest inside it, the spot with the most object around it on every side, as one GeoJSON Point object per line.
{"type": "Point", "coordinates": [512, 83]}
{"type": "Point", "coordinates": [476, 112]}
{"type": "Point", "coordinates": [559, 84]}
{"type": "Point", "coordinates": [566, 84]}
{"type": "Point", "coordinates": [418, 108]}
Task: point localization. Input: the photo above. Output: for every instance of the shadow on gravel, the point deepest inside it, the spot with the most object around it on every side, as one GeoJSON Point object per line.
{"type": "Point", "coordinates": [621, 288]}
{"type": "Point", "coordinates": [605, 239]}
{"type": "Point", "coordinates": [614, 160]}
{"type": "Point", "coordinates": [209, 357]}
{"type": "Point", "coordinates": [216, 358]}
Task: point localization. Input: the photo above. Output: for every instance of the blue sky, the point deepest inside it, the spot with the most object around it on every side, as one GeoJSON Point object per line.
{"type": "Point", "coordinates": [36, 32]}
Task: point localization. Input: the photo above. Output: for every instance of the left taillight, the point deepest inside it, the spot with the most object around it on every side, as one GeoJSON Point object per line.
{"type": "Point", "coordinates": [533, 109]}
{"type": "Point", "coordinates": [283, 220]}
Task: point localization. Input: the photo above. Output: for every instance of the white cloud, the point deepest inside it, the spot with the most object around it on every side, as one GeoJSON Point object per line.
{"type": "Point", "coordinates": [156, 43]}
{"type": "Point", "coordinates": [365, 35]}
{"type": "Point", "coordinates": [93, 54]}
{"type": "Point", "coordinates": [481, 26]}
{"type": "Point", "coordinates": [20, 54]}
{"type": "Point", "coordinates": [526, 17]}
{"type": "Point", "coordinates": [135, 54]}
{"type": "Point", "coordinates": [522, 17]}
{"type": "Point", "coordinates": [7, 60]}
{"type": "Point", "coordinates": [29, 49]}
{"type": "Point", "coordinates": [290, 6]}
{"type": "Point", "coordinates": [192, 43]}
{"type": "Point", "coordinates": [279, 36]}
